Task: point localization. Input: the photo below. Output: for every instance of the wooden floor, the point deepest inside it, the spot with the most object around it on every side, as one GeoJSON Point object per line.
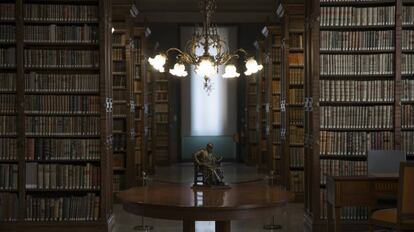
{"type": "Point", "coordinates": [291, 218]}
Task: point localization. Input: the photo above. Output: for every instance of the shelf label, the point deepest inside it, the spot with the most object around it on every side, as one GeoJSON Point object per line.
{"type": "Point", "coordinates": [108, 105]}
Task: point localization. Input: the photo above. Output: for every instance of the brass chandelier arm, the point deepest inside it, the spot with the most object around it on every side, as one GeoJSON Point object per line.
{"type": "Point", "coordinates": [183, 56]}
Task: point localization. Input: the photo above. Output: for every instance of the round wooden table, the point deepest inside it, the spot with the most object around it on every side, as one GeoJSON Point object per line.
{"type": "Point", "coordinates": [181, 202]}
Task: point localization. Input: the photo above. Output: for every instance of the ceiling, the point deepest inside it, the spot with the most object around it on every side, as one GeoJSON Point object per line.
{"type": "Point", "coordinates": [182, 11]}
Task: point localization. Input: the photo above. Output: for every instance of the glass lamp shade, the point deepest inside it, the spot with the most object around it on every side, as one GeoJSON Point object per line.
{"type": "Point", "coordinates": [252, 67]}
{"type": "Point", "coordinates": [179, 70]}
{"type": "Point", "coordinates": [230, 71]}
{"type": "Point", "coordinates": [206, 68]}
{"type": "Point", "coordinates": [158, 62]}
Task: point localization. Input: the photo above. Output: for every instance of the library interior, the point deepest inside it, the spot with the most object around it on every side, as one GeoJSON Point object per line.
{"type": "Point", "coordinates": [206, 115]}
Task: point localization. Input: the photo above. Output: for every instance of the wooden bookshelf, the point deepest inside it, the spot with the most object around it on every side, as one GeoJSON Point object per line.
{"type": "Point", "coordinates": [339, 96]}
{"type": "Point", "coordinates": [252, 140]}
{"type": "Point", "coordinates": [161, 120]}
{"type": "Point", "coordinates": [120, 86]}
{"type": "Point", "coordinates": [407, 79]}
{"type": "Point", "coordinates": [293, 86]}
{"type": "Point", "coordinates": [54, 82]}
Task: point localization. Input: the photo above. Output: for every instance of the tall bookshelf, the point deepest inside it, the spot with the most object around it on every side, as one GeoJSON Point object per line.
{"type": "Point", "coordinates": [130, 83]}
{"type": "Point", "coordinates": [354, 94]}
{"type": "Point", "coordinates": [407, 79]}
{"type": "Point", "coordinates": [55, 83]}
{"type": "Point", "coordinates": [294, 95]}
{"type": "Point", "coordinates": [161, 120]}
{"type": "Point", "coordinates": [120, 86]}
{"type": "Point", "coordinates": [252, 127]}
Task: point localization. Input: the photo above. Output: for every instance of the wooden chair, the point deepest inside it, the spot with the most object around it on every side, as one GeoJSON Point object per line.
{"type": "Point", "coordinates": [402, 217]}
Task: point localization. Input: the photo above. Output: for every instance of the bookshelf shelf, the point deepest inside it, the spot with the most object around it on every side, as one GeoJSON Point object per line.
{"type": "Point", "coordinates": [379, 51]}
{"type": "Point", "coordinates": [62, 190]}
{"type": "Point", "coordinates": [60, 44]}
{"type": "Point", "coordinates": [357, 129]}
{"type": "Point", "coordinates": [72, 22]}
{"type": "Point", "coordinates": [352, 103]}
{"type": "Point", "coordinates": [358, 3]}
{"type": "Point", "coordinates": [64, 161]}
{"type": "Point", "coordinates": [357, 28]}
{"type": "Point", "coordinates": [63, 92]}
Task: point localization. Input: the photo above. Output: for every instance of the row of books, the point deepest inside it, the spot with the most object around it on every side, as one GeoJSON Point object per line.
{"type": "Point", "coordinates": [119, 67]}
{"type": "Point", "coordinates": [7, 11]}
{"type": "Point", "coordinates": [407, 116]}
{"type": "Point", "coordinates": [44, 58]}
{"type": "Point", "coordinates": [118, 38]}
{"type": "Point", "coordinates": [137, 86]}
{"type": "Point", "coordinates": [7, 103]}
{"type": "Point", "coordinates": [62, 149]}
{"type": "Point", "coordinates": [361, 117]}
{"type": "Point", "coordinates": [9, 207]}
{"type": "Point", "coordinates": [72, 208]}
{"type": "Point", "coordinates": [8, 149]}
{"type": "Point", "coordinates": [62, 176]}
{"type": "Point", "coordinates": [296, 135]}
{"type": "Point", "coordinates": [7, 125]}
{"type": "Point", "coordinates": [161, 118]}
{"type": "Point", "coordinates": [408, 15]}
{"type": "Point", "coordinates": [296, 58]}
{"type": "Point", "coordinates": [296, 40]}
{"type": "Point", "coordinates": [341, 168]}
{"type": "Point", "coordinates": [356, 90]}
{"type": "Point", "coordinates": [407, 144]}
{"type": "Point", "coordinates": [347, 213]}
{"type": "Point", "coordinates": [275, 86]}
{"type": "Point", "coordinates": [119, 142]}
{"type": "Point", "coordinates": [357, 16]}
{"type": "Point", "coordinates": [161, 108]}
{"type": "Point", "coordinates": [118, 160]}
{"type": "Point", "coordinates": [118, 81]}
{"type": "Point", "coordinates": [296, 96]}
{"type": "Point", "coordinates": [9, 176]}
{"type": "Point", "coordinates": [117, 182]}
{"type": "Point", "coordinates": [62, 104]}
{"type": "Point", "coordinates": [354, 143]}
{"type": "Point", "coordinates": [7, 81]}
{"type": "Point", "coordinates": [161, 96]}
{"type": "Point", "coordinates": [68, 13]}
{"type": "Point", "coordinates": [276, 72]}
{"type": "Point", "coordinates": [276, 151]}
{"type": "Point", "coordinates": [297, 183]}
{"type": "Point", "coordinates": [119, 97]}
{"type": "Point", "coordinates": [357, 40]}
{"type": "Point", "coordinates": [119, 109]}
{"type": "Point", "coordinates": [407, 40]}
{"type": "Point", "coordinates": [276, 135]}
{"type": "Point", "coordinates": [161, 86]}
{"type": "Point", "coordinates": [275, 102]}
{"type": "Point", "coordinates": [8, 57]}
{"type": "Point", "coordinates": [118, 54]}
{"type": "Point", "coordinates": [276, 55]}
{"type": "Point", "coordinates": [119, 125]}
{"type": "Point", "coordinates": [66, 34]}
{"type": "Point", "coordinates": [276, 118]}
{"type": "Point", "coordinates": [357, 64]}
{"type": "Point", "coordinates": [297, 157]}
{"type": "Point", "coordinates": [52, 82]}
{"type": "Point", "coordinates": [407, 63]}
{"type": "Point", "coordinates": [296, 76]}
{"type": "Point", "coordinates": [62, 125]}
{"type": "Point", "coordinates": [296, 116]}
{"type": "Point", "coordinates": [7, 33]}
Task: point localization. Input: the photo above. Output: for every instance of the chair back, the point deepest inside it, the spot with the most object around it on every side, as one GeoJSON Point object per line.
{"type": "Point", "coordinates": [406, 194]}
{"type": "Point", "coordinates": [385, 161]}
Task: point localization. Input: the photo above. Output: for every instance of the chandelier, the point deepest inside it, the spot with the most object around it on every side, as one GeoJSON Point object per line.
{"type": "Point", "coordinates": [215, 52]}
